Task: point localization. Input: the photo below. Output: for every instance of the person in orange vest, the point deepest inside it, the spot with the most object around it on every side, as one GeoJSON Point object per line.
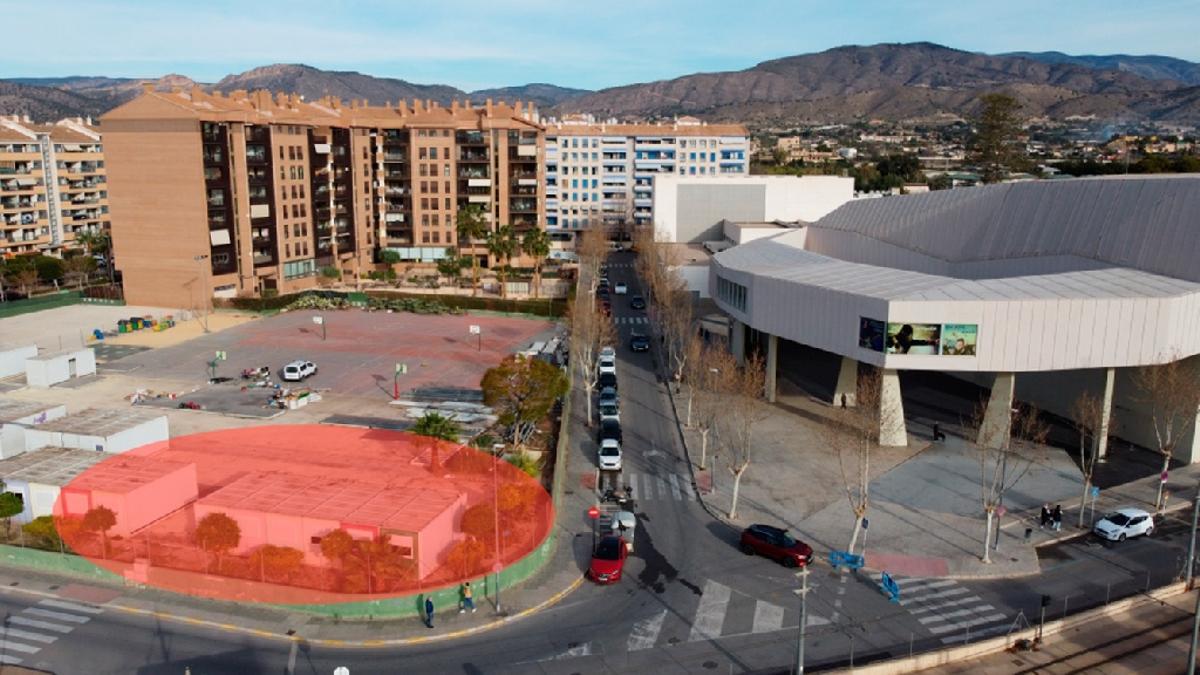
{"type": "Point", "coordinates": [468, 600]}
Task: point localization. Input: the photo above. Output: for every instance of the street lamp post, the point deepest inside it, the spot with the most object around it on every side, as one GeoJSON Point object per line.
{"type": "Point", "coordinates": [207, 297]}
{"type": "Point", "coordinates": [803, 593]}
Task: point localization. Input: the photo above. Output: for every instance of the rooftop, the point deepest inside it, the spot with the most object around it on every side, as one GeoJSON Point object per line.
{"type": "Point", "coordinates": [94, 422]}
{"type": "Point", "coordinates": [12, 410]}
{"type": "Point", "coordinates": [50, 356]}
{"type": "Point", "coordinates": [50, 466]}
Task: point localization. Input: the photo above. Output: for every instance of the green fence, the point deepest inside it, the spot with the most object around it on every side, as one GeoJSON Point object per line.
{"type": "Point", "coordinates": [50, 301]}
{"type": "Point", "coordinates": [54, 563]}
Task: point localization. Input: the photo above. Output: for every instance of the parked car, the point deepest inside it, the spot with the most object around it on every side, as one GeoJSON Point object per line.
{"type": "Point", "coordinates": [607, 365]}
{"type": "Point", "coordinates": [637, 302]}
{"type": "Point", "coordinates": [639, 342]}
{"type": "Point", "coordinates": [1125, 523]}
{"type": "Point", "coordinates": [610, 429]}
{"type": "Point", "coordinates": [608, 560]}
{"type": "Point", "coordinates": [608, 395]}
{"type": "Point", "coordinates": [608, 410]}
{"type": "Point", "coordinates": [621, 288]}
{"type": "Point", "coordinates": [297, 371]}
{"type": "Point", "coordinates": [608, 352]}
{"type": "Point", "coordinates": [607, 380]}
{"type": "Point", "coordinates": [776, 544]}
{"type": "Point", "coordinates": [610, 455]}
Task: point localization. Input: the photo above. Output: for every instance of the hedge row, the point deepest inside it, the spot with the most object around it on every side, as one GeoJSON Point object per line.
{"type": "Point", "coordinates": [543, 307]}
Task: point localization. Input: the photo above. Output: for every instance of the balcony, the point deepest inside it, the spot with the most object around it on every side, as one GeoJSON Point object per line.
{"type": "Point", "coordinates": [470, 138]}
{"type": "Point", "coordinates": [519, 176]}
{"type": "Point", "coordinates": [395, 157]}
{"type": "Point", "coordinates": [522, 206]}
{"type": "Point", "coordinates": [263, 258]}
{"type": "Point", "coordinates": [473, 156]}
{"type": "Point", "coordinates": [473, 173]}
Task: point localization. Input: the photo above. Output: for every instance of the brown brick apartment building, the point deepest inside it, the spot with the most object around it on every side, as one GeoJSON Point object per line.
{"type": "Point", "coordinates": [52, 185]}
{"type": "Point", "coordinates": [253, 192]}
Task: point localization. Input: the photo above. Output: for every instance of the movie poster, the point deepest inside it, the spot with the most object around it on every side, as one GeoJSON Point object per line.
{"type": "Point", "coordinates": [871, 334]}
{"type": "Point", "coordinates": [959, 339]}
{"type": "Point", "coordinates": [913, 338]}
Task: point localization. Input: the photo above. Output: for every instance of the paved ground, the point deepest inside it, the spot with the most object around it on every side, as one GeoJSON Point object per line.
{"type": "Point", "coordinates": [67, 327]}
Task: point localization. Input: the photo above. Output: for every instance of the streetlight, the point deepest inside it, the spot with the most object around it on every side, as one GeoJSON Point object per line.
{"type": "Point", "coordinates": [803, 593]}
{"type": "Point", "coordinates": [204, 270]}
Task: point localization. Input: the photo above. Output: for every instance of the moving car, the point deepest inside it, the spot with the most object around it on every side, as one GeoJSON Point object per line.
{"type": "Point", "coordinates": [1125, 523]}
{"type": "Point", "coordinates": [607, 380]}
{"type": "Point", "coordinates": [610, 429]}
{"type": "Point", "coordinates": [298, 370]}
{"type": "Point", "coordinates": [609, 411]}
{"type": "Point", "coordinates": [610, 455]}
{"type": "Point", "coordinates": [608, 560]}
{"type": "Point", "coordinates": [607, 365]}
{"type": "Point", "coordinates": [639, 343]}
{"type": "Point", "coordinates": [776, 544]}
{"type": "Point", "coordinates": [608, 352]}
{"type": "Point", "coordinates": [621, 288]}
{"type": "Point", "coordinates": [637, 302]}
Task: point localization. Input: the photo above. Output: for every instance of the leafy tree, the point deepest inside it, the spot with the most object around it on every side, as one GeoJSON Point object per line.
{"type": "Point", "coordinates": [522, 391]}
{"type": "Point", "coordinates": [389, 257]}
{"type": "Point", "coordinates": [48, 268]}
{"type": "Point", "coordinates": [277, 563]}
{"type": "Point", "coordinates": [79, 267]}
{"type": "Point", "coordinates": [42, 530]}
{"type": "Point", "coordinates": [452, 264]}
{"type": "Point", "coordinates": [218, 534]}
{"type": "Point", "coordinates": [502, 243]}
{"type": "Point", "coordinates": [995, 146]}
{"type": "Point", "coordinates": [479, 521]}
{"type": "Point", "coordinates": [27, 279]}
{"type": "Point", "coordinates": [10, 505]}
{"type": "Point", "coordinates": [526, 463]}
{"type": "Point", "coordinates": [467, 558]}
{"type": "Point", "coordinates": [95, 243]}
{"type": "Point", "coordinates": [370, 565]}
{"type": "Point", "coordinates": [536, 244]}
{"type": "Point", "coordinates": [336, 545]}
{"type": "Point", "coordinates": [437, 428]}
{"type": "Point", "coordinates": [472, 225]}
{"type": "Point", "coordinates": [100, 519]}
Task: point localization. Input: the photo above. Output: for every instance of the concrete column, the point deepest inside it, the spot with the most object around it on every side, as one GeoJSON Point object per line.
{"type": "Point", "coordinates": [997, 418]}
{"type": "Point", "coordinates": [1101, 439]}
{"type": "Point", "coordinates": [846, 391]}
{"type": "Point", "coordinates": [737, 340]}
{"type": "Point", "coordinates": [771, 366]}
{"type": "Point", "coordinates": [892, 430]}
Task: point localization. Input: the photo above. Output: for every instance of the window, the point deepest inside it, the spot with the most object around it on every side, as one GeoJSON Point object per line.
{"type": "Point", "coordinates": [433, 153]}
{"type": "Point", "coordinates": [446, 222]}
{"type": "Point", "coordinates": [424, 186]}
{"type": "Point", "coordinates": [425, 219]}
{"type": "Point", "coordinates": [425, 237]}
{"type": "Point", "coordinates": [447, 184]}
{"type": "Point", "coordinates": [302, 187]}
{"type": "Point", "coordinates": [301, 174]}
{"type": "Point", "coordinates": [437, 237]}
{"type": "Point", "coordinates": [287, 248]}
{"type": "Point", "coordinates": [212, 173]}
{"type": "Point", "coordinates": [447, 203]}
{"type": "Point", "coordinates": [424, 170]}
{"type": "Point", "coordinates": [293, 192]}
{"type": "Point", "coordinates": [433, 186]}
{"type": "Point", "coordinates": [291, 172]}
{"type": "Point", "coordinates": [424, 203]}
{"type": "Point", "coordinates": [422, 153]}
{"type": "Point", "coordinates": [446, 171]}
{"type": "Point", "coordinates": [281, 152]}
{"type": "Point", "coordinates": [732, 293]}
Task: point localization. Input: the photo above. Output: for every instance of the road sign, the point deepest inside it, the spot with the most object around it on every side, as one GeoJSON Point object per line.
{"type": "Point", "coordinates": [866, 523]}
{"type": "Point", "coordinates": [221, 356]}
{"type": "Point", "coordinates": [401, 368]}
{"type": "Point", "coordinates": [318, 320]}
{"type": "Point", "coordinates": [474, 329]}
{"type": "Point", "coordinates": [593, 513]}
{"type": "Point", "coordinates": [1095, 492]}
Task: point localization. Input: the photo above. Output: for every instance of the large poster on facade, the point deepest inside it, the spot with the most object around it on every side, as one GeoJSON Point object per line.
{"type": "Point", "coordinates": [871, 333]}
{"type": "Point", "coordinates": [959, 339]}
{"type": "Point", "coordinates": [913, 338]}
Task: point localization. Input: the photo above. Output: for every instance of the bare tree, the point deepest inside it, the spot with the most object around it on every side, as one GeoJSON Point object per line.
{"type": "Point", "coordinates": [590, 332]}
{"type": "Point", "coordinates": [1002, 467]}
{"type": "Point", "coordinates": [1172, 392]}
{"type": "Point", "coordinates": [592, 249]}
{"type": "Point", "coordinates": [743, 409]}
{"type": "Point", "coordinates": [708, 388]}
{"type": "Point", "coordinates": [1088, 414]}
{"type": "Point", "coordinates": [853, 434]}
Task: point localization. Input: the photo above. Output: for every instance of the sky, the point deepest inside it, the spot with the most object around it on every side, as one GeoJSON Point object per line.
{"type": "Point", "coordinates": [474, 44]}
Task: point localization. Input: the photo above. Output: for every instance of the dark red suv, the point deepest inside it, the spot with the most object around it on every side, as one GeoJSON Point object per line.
{"type": "Point", "coordinates": [776, 544]}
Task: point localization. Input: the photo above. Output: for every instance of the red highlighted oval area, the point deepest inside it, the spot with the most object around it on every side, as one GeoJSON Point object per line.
{"type": "Point", "coordinates": [303, 514]}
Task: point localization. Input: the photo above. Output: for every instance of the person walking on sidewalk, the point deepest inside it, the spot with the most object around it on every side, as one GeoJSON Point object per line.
{"type": "Point", "coordinates": [1045, 517]}
{"type": "Point", "coordinates": [428, 612]}
{"type": "Point", "coordinates": [1057, 517]}
{"type": "Point", "coordinates": [468, 601]}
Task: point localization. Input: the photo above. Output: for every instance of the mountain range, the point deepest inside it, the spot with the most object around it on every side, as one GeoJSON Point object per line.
{"type": "Point", "coordinates": [911, 81]}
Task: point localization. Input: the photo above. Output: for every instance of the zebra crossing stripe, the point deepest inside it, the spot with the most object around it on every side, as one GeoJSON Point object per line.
{"type": "Point", "coordinates": [767, 617]}
{"type": "Point", "coordinates": [911, 587]}
{"type": "Point", "coordinates": [18, 647]}
{"type": "Point", "coordinates": [942, 605]}
{"type": "Point", "coordinates": [645, 632]}
{"type": "Point", "coordinates": [45, 625]}
{"type": "Point", "coordinates": [925, 620]}
{"type": "Point", "coordinates": [939, 630]}
{"type": "Point", "coordinates": [60, 616]}
{"type": "Point", "coordinates": [29, 635]}
{"type": "Point", "coordinates": [957, 590]}
{"type": "Point", "coordinates": [662, 487]}
{"type": "Point", "coordinates": [74, 607]}
{"type": "Point", "coordinates": [675, 487]}
{"type": "Point", "coordinates": [710, 614]}
{"type": "Point", "coordinates": [9, 660]}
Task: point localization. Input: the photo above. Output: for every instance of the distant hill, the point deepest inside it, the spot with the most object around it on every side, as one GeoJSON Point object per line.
{"type": "Point", "coordinates": [47, 104]}
{"type": "Point", "coordinates": [1151, 67]}
{"type": "Point", "coordinates": [544, 95]}
{"type": "Point", "coordinates": [314, 83]}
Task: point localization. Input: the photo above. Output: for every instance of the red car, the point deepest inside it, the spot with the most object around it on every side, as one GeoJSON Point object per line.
{"type": "Point", "coordinates": [776, 544]}
{"type": "Point", "coordinates": [608, 560]}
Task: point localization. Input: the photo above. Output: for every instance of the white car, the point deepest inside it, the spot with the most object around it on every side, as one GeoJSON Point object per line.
{"type": "Point", "coordinates": [298, 370]}
{"type": "Point", "coordinates": [609, 411]}
{"type": "Point", "coordinates": [608, 365]}
{"type": "Point", "coordinates": [608, 352]}
{"type": "Point", "coordinates": [620, 288]}
{"type": "Point", "coordinates": [1123, 524]}
{"type": "Point", "coordinates": [610, 455]}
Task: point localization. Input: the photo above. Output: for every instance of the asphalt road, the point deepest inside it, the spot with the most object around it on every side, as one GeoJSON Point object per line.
{"type": "Point", "coordinates": [690, 601]}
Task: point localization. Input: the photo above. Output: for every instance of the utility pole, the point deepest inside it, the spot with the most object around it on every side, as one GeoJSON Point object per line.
{"type": "Point", "coordinates": [1195, 637]}
{"type": "Point", "coordinates": [1191, 559]}
{"type": "Point", "coordinates": [803, 593]}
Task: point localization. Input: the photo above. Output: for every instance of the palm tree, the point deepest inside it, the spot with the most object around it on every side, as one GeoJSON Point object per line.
{"type": "Point", "coordinates": [97, 242]}
{"type": "Point", "coordinates": [472, 224]}
{"type": "Point", "coordinates": [536, 244]}
{"type": "Point", "coordinates": [502, 243]}
{"type": "Point", "coordinates": [437, 428]}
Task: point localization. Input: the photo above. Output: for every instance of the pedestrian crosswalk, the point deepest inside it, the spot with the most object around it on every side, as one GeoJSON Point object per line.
{"type": "Point", "coordinates": [654, 487]}
{"type": "Point", "coordinates": [32, 629]}
{"type": "Point", "coordinates": [720, 612]}
{"type": "Point", "coordinates": [630, 320]}
{"type": "Point", "coordinates": [949, 610]}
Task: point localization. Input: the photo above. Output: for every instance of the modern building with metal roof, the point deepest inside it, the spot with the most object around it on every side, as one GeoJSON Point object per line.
{"type": "Point", "coordinates": [1016, 280]}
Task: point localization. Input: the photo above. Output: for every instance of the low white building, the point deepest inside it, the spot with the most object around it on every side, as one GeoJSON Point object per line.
{"type": "Point", "coordinates": [17, 416]}
{"type": "Point", "coordinates": [38, 477]}
{"type": "Point", "coordinates": [47, 370]}
{"type": "Point", "coordinates": [12, 359]}
{"type": "Point", "coordinates": [108, 431]}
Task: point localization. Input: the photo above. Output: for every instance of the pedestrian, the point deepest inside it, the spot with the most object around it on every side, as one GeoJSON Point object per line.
{"type": "Point", "coordinates": [937, 432]}
{"type": "Point", "coordinates": [1045, 517]}
{"type": "Point", "coordinates": [428, 612]}
{"type": "Point", "coordinates": [468, 601]}
{"type": "Point", "coordinates": [1057, 516]}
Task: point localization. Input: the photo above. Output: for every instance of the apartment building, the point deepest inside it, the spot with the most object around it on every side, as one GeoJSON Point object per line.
{"type": "Point", "coordinates": [256, 193]}
{"type": "Point", "coordinates": [602, 173]}
{"type": "Point", "coordinates": [52, 185]}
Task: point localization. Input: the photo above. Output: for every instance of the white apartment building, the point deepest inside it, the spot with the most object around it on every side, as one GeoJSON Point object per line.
{"type": "Point", "coordinates": [602, 173]}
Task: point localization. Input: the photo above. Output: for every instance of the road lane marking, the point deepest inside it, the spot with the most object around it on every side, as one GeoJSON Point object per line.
{"type": "Point", "coordinates": [939, 630]}
{"type": "Point", "coordinates": [943, 605]}
{"type": "Point", "coordinates": [958, 590]}
{"type": "Point", "coordinates": [18, 647]}
{"type": "Point", "coordinates": [10, 660]}
{"type": "Point", "coordinates": [767, 617]}
{"type": "Point", "coordinates": [675, 487]}
{"type": "Point", "coordinates": [912, 587]}
{"type": "Point", "coordinates": [662, 487]}
{"type": "Point", "coordinates": [645, 632]}
{"type": "Point", "coordinates": [925, 620]}
{"type": "Point", "coordinates": [710, 614]}
{"type": "Point", "coordinates": [45, 625]}
{"type": "Point", "coordinates": [62, 604]}
{"type": "Point", "coordinates": [29, 635]}
{"type": "Point", "coordinates": [51, 614]}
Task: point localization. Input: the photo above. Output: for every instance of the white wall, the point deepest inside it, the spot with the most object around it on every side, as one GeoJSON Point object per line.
{"type": "Point", "coordinates": [12, 359]}
{"type": "Point", "coordinates": [696, 277]}
{"type": "Point", "coordinates": [46, 372]}
{"type": "Point", "coordinates": [12, 434]}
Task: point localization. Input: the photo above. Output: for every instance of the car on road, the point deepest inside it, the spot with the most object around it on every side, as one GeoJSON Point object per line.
{"type": "Point", "coordinates": [608, 352]}
{"type": "Point", "coordinates": [607, 380]}
{"type": "Point", "coordinates": [608, 560]}
{"type": "Point", "coordinates": [621, 288]}
{"type": "Point", "coordinates": [608, 395]}
{"type": "Point", "coordinates": [610, 429]}
{"type": "Point", "coordinates": [639, 342]}
{"type": "Point", "coordinates": [607, 365]}
{"type": "Point", "coordinates": [1124, 524]}
{"type": "Point", "coordinates": [775, 543]}
{"type": "Point", "coordinates": [298, 370]}
{"type": "Point", "coordinates": [637, 302]}
{"type": "Point", "coordinates": [610, 455]}
{"type": "Point", "coordinates": [609, 411]}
